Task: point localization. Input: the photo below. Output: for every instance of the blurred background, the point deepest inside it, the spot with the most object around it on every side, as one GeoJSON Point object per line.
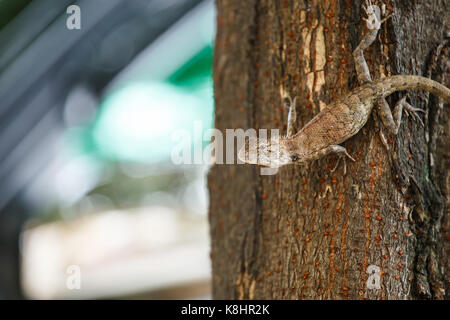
{"type": "Point", "coordinates": [91, 204]}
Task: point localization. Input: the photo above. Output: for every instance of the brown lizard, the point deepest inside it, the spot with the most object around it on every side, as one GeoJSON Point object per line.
{"type": "Point", "coordinates": [343, 118]}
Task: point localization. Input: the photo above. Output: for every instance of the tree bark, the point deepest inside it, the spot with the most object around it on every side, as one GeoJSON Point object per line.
{"type": "Point", "coordinates": [308, 233]}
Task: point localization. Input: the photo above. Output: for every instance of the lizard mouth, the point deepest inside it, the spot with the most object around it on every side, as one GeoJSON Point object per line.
{"type": "Point", "coordinates": [263, 154]}
{"type": "Point", "coordinates": [253, 157]}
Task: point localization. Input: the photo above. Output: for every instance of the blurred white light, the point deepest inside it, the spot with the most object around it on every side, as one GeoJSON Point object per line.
{"type": "Point", "coordinates": [117, 252]}
{"type": "Point", "coordinates": [75, 179]}
{"type": "Point", "coordinates": [159, 198]}
{"type": "Point", "coordinates": [95, 203]}
{"type": "Point", "coordinates": [80, 107]}
{"type": "Point", "coordinates": [196, 197]}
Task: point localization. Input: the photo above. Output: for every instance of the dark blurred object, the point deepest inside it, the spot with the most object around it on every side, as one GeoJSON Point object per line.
{"type": "Point", "coordinates": [41, 61]}
{"type": "Point", "coordinates": [10, 9]}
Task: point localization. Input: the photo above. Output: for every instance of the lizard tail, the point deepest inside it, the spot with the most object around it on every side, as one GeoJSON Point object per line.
{"type": "Point", "coordinates": [392, 84]}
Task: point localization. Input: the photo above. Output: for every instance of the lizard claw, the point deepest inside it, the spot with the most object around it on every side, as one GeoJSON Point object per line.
{"type": "Point", "coordinates": [337, 165]}
{"type": "Point", "coordinates": [386, 18]}
{"type": "Point", "coordinates": [366, 4]}
{"type": "Point", "coordinates": [349, 156]}
{"type": "Point", "coordinates": [344, 158]}
{"type": "Point", "coordinates": [287, 101]}
{"type": "Point", "coordinates": [410, 110]}
{"type": "Point", "coordinates": [373, 12]}
{"type": "Point", "coordinates": [292, 114]}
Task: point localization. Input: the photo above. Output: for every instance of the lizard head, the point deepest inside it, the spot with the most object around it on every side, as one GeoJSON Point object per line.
{"type": "Point", "coordinates": [266, 153]}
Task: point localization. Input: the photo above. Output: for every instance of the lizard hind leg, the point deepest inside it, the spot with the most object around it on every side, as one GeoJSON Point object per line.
{"type": "Point", "coordinates": [392, 121]}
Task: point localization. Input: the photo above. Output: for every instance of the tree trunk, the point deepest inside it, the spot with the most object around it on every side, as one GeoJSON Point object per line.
{"type": "Point", "coordinates": [308, 233]}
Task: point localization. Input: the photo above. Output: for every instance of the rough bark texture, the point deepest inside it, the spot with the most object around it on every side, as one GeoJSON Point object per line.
{"type": "Point", "coordinates": [307, 233]}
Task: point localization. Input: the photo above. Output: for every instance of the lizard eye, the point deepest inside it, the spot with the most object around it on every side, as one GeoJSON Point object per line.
{"type": "Point", "coordinates": [294, 158]}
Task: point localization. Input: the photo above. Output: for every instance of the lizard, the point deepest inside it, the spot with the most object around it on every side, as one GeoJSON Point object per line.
{"type": "Point", "coordinates": [343, 118]}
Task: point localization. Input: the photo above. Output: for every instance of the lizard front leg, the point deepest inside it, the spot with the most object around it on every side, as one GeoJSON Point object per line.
{"type": "Point", "coordinates": [389, 120]}
{"type": "Point", "coordinates": [340, 151]}
{"type": "Point", "coordinates": [373, 22]}
{"type": "Point", "coordinates": [291, 130]}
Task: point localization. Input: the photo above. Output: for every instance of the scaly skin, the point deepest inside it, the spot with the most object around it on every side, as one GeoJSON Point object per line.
{"type": "Point", "coordinates": [344, 118]}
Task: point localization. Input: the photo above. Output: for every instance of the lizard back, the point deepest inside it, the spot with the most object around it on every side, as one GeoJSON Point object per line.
{"type": "Point", "coordinates": [334, 124]}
